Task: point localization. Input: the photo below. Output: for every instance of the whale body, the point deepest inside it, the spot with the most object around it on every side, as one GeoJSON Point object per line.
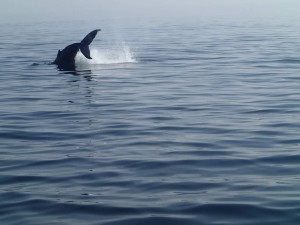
{"type": "Point", "coordinates": [65, 58]}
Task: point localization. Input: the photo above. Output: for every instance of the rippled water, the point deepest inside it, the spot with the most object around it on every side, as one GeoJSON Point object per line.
{"type": "Point", "coordinates": [169, 124]}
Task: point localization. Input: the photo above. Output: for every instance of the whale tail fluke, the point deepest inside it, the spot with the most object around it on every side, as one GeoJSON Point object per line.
{"type": "Point", "coordinates": [84, 44]}
{"type": "Point", "coordinates": [65, 58]}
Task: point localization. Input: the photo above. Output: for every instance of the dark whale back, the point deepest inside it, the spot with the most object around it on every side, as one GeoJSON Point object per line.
{"type": "Point", "coordinates": [65, 59]}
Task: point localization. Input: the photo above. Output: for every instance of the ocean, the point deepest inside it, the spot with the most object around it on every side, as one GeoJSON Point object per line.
{"type": "Point", "coordinates": [168, 124]}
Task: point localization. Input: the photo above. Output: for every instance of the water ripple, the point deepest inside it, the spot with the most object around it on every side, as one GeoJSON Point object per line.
{"type": "Point", "coordinates": [204, 131]}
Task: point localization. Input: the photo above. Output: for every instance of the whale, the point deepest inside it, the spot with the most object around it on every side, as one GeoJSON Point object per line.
{"type": "Point", "coordinates": [65, 59]}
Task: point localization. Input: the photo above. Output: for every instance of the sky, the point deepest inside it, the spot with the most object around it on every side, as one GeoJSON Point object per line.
{"type": "Point", "coordinates": [18, 11]}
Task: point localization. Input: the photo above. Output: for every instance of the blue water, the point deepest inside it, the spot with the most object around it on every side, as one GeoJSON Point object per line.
{"type": "Point", "coordinates": [172, 124]}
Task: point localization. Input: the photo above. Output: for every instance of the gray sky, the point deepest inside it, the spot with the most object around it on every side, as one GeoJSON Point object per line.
{"type": "Point", "coordinates": [137, 10]}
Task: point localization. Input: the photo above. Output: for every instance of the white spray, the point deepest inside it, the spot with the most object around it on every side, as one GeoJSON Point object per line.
{"type": "Point", "coordinates": [120, 54]}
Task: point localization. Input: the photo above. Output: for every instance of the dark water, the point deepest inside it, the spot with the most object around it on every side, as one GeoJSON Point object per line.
{"type": "Point", "coordinates": [178, 124]}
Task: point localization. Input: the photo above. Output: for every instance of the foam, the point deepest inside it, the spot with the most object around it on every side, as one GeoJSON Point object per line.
{"type": "Point", "coordinates": [120, 54]}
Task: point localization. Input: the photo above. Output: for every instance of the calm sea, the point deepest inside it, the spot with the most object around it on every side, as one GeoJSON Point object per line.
{"type": "Point", "coordinates": [169, 124]}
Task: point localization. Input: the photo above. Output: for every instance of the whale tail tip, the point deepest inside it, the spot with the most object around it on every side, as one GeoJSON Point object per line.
{"type": "Point", "coordinates": [85, 50]}
{"type": "Point", "coordinates": [86, 41]}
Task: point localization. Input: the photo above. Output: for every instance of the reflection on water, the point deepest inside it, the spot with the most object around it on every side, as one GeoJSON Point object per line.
{"type": "Point", "coordinates": [87, 74]}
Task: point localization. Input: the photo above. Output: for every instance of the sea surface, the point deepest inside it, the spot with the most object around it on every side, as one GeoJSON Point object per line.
{"type": "Point", "coordinates": [169, 124]}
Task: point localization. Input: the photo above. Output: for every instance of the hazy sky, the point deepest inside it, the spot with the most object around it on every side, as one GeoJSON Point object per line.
{"type": "Point", "coordinates": [136, 10]}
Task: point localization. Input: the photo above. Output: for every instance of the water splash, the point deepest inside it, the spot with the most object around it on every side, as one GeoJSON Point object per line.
{"type": "Point", "coordinates": [114, 55]}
